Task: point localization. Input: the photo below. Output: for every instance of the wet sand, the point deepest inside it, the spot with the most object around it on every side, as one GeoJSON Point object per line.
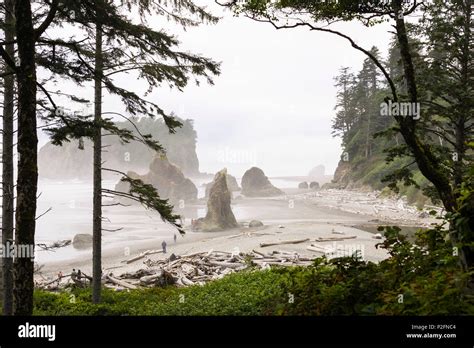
{"type": "Point", "coordinates": [298, 215]}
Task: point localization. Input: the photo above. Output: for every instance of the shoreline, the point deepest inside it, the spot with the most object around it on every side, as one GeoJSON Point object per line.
{"type": "Point", "coordinates": [301, 213]}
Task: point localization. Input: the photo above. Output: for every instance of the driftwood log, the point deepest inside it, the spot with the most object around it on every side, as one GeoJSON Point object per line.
{"type": "Point", "coordinates": [55, 245]}
{"type": "Point", "coordinates": [142, 255]}
{"type": "Point", "coordinates": [263, 245]}
{"type": "Point", "coordinates": [120, 282]}
{"type": "Point", "coordinates": [320, 249]}
{"type": "Point", "coordinates": [195, 268]}
{"type": "Point", "coordinates": [333, 239]}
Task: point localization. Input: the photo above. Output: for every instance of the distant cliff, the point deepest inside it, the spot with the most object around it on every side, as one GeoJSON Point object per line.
{"type": "Point", "coordinates": [365, 174]}
{"type": "Point", "coordinates": [69, 162]}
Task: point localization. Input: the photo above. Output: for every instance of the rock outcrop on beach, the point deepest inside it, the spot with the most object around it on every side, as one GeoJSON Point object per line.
{"type": "Point", "coordinates": [232, 185]}
{"type": "Point", "coordinates": [168, 180]}
{"type": "Point", "coordinates": [122, 186]}
{"type": "Point", "coordinates": [256, 184]}
{"type": "Point", "coordinates": [342, 173]}
{"type": "Point", "coordinates": [219, 215]}
{"type": "Point", "coordinates": [82, 241]}
{"type": "Point", "coordinates": [70, 162]}
{"type": "Point", "coordinates": [303, 185]}
{"type": "Point", "coordinates": [255, 223]}
{"type": "Point", "coordinates": [314, 185]}
{"type": "Point", "coordinates": [342, 177]}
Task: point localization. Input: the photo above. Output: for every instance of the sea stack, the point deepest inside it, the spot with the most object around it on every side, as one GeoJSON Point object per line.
{"type": "Point", "coordinates": [256, 184]}
{"type": "Point", "coordinates": [168, 180]}
{"type": "Point", "coordinates": [303, 185]}
{"type": "Point", "coordinates": [219, 213]}
{"type": "Point", "coordinates": [232, 185]}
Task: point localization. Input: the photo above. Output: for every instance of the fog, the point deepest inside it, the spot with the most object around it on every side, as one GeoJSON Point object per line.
{"type": "Point", "coordinates": [273, 103]}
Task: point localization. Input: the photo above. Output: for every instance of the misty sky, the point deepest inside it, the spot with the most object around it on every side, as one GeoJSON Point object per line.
{"type": "Point", "coordinates": [273, 103]}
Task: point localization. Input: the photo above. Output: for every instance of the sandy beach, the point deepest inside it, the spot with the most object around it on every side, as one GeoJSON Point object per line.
{"type": "Point", "coordinates": [300, 214]}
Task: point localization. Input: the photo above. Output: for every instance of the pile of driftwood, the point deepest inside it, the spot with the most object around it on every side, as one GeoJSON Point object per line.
{"type": "Point", "coordinates": [196, 269]}
{"type": "Point", "coordinates": [200, 268]}
{"type": "Point", "coordinates": [73, 279]}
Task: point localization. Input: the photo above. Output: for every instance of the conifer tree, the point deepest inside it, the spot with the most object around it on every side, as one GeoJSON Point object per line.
{"type": "Point", "coordinates": [151, 53]}
{"type": "Point", "coordinates": [451, 22]}
{"type": "Point", "coordinates": [7, 159]}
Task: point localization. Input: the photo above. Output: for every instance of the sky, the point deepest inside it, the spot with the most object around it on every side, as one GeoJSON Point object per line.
{"type": "Point", "coordinates": [273, 103]}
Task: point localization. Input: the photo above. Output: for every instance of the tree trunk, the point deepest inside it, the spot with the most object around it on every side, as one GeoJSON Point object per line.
{"type": "Point", "coordinates": [27, 182]}
{"type": "Point", "coordinates": [467, 236]}
{"type": "Point", "coordinates": [465, 111]}
{"type": "Point", "coordinates": [97, 199]}
{"type": "Point", "coordinates": [7, 162]}
{"type": "Point", "coordinates": [467, 210]}
{"type": "Point", "coordinates": [427, 162]}
{"type": "Point", "coordinates": [367, 139]}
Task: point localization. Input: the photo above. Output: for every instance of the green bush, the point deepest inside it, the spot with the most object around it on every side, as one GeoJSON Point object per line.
{"type": "Point", "coordinates": [245, 293]}
{"type": "Point", "coordinates": [425, 273]}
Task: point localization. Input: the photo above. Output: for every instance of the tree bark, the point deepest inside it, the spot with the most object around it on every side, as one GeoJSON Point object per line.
{"type": "Point", "coordinates": [97, 190]}
{"type": "Point", "coordinates": [468, 251]}
{"type": "Point", "coordinates": [27, 182]}
{"type": "Point", "coordinates": [368, 136]}
{"type": "Point", "coordinates": [465, 110]}
{"type": "Point", "coordinates": [7, 161]}
{"type": "Point", "coordinates": [466, 237]}
{"type": "Point", "coordinates": [427, 162]}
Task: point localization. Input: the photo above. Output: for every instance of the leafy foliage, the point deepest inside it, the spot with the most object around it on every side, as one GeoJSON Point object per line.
{"type": "Point", "coordinates": [246, 293]}
{"type": "Point", "coordinates": [147, 195]}
{"type": "Point", "coordinates": [425, 273]}
{"type": "Point", "coordinates": [438, 56]}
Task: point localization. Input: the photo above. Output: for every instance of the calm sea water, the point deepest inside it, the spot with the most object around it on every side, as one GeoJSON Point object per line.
{"type": "Point", "coordinates": [71, 213]}
{"type": "Point", "coordinates": [70, 204]}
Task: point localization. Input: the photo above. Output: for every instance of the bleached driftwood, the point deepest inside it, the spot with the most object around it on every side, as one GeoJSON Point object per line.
{"type": "Point", "coordinates": [258, 253]}
{"type": "Point", "coordinates": [227, 264]}
{"type": "Point", "coordinates": [150, 279]}
{"type": "Point", "coordinates": [55, 245]}
{"type": "Point", "coordinates": [249, 234]}
{"type": "Point", "coordinates": [63, 280]}
{"type": "Point", "coordinates": [57, 280]}
{"type": "Point", "coordinates": [320, 249]}
{"type": "Point", "coordinates": [198, 268]}
{"type": "Point", "coordinates": [263, 245]}
{"type": "Point", "coordinates": [186, 281]}
{"type": "Point", "coordinates": [333, 239]}
{"type": "Point", "coordinates": [142, 255]}
{"type": "Point", "coordinates": [121, 282]}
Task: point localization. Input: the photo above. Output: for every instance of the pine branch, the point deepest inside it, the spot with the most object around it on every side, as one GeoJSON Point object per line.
{"type": "Point", "coordinates": [147, 195]}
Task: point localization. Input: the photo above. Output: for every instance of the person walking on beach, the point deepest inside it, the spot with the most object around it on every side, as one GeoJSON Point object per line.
{"type": "Point", "coordinates": [174, 238]}
{"type": "Point", "coordinates": [74, 275]}
{"type": "Point", "coordinates": [164, 247]}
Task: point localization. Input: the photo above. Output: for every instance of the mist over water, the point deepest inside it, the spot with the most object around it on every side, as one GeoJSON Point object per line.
{"type": "Point", "coordinates": [71, 214]}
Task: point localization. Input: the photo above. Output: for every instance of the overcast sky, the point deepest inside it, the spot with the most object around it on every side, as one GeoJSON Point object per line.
{"type": "Point", "coordinates": [273, 103]}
